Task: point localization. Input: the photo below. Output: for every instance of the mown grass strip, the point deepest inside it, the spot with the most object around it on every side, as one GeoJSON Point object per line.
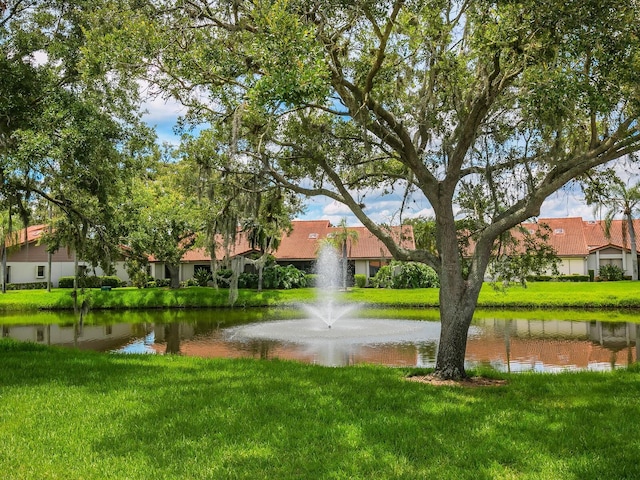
{"type": "Point", "coordinates": [70, 415]}
{"type": "Point", "coordinates": [549, 295]}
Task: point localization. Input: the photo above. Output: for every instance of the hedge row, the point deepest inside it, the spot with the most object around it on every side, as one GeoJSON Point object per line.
{"type": "Point", "coordinates": [559, 278]}
{"type": "Point", "coordinates": [27, 286]}
{"type": "Point", "coordinates": [90, 282]}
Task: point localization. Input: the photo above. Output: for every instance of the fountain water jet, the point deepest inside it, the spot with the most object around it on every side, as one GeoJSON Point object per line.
{"type": "Point", "coordinates": [328, 281]}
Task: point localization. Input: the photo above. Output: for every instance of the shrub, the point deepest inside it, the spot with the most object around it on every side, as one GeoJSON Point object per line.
{"type": "Point", "coordinates": [248, 280]}
{"type": "Point", "coordinates": [90, 282]}
{"type": "Point", "coordinates": [27, 286]}
{"type": "Point", "coordinates": [224, 275]}
{"type": "Point", "coordinates": [539, 278]}
{"type": "Point", "coordinates": [361, 280]}
{"type": "Point", "coordinates": [277, 277]}
{"type": "Point", "coordinates": [558, 278]}
{"type": "Point", "coordinates": [406, 275]}
{"type": "Point", "coordinates": [202, 277]}
{"type": "Point", "coordinates": [573, 278]}
{"type": "Point", "coordinates": [611, 273]}
{"type": "Point", "coordinates": [111, 281]}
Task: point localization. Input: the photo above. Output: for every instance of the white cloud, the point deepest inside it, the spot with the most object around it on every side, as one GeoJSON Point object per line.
{"type": "Point", "coordinates": [336, 208]}
{"type": "Point", "coordinates": [424, 213]}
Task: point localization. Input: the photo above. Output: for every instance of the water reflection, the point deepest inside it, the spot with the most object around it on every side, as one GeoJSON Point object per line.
{"type": "Point", "coordinates": [513, 345]}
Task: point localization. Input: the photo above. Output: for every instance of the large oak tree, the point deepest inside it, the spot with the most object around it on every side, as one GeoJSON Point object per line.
{"type": "Point", "coordinates": [490, 104]}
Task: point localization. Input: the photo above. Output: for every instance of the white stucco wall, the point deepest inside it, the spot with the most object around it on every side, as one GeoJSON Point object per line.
{"type": "Point", "coordinates": [26, 272]}
{"type": "Point", "coordinates": [362, 267]}
{"type": "Point", "coordinates": [573, 266]}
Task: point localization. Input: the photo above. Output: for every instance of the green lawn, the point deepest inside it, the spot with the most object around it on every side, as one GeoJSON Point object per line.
{"type": "Point", "coordinates": [81, 415]}
{"type": "Point", "coordinates": [69, 414]}
{"type": "Point", "coordinates": [539, 295]}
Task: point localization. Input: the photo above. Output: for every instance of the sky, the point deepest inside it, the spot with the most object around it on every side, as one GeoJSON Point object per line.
{"type": "Point", "coordinates": [568, 202]}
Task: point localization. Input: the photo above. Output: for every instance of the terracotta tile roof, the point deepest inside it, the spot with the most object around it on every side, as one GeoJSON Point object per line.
{"type": "Point", "coordinates": [566, 235]}
{"type": "Point", "coordinates": [596, 239]}
{"type": "Point", "coordinates": [570, 236]}
{"type": "Point", "coordinates": [301, 243]}
{"type": "Point", "coordinates": [241, 247]}
{"type": "Point", "coordinates": [33, 233]}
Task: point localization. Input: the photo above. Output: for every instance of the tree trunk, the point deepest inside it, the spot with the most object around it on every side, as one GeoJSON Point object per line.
{"type": "Point", "coordinates": [456, 313]}
{"type": "Point", "coordinates": [49, 255]}
{"type": "Point", "coordinates": [345, 264]}
{"type": "Point", "coordinates": [174, 276]}
{"type": "Point", "coordinates": [49, 262]}
{"type": "Point", "coordinates": [214, 271]}
{"type": "Point", "coordinates": [260, 272]}
{"type": "Point", "coordinates": [4, 267]}
{"type": "Point", "coordinates": [75, 281]}
{"type": "Point", "coordinates": [634, 248]}
{"type": "Point", "coordinates": [458, 296]}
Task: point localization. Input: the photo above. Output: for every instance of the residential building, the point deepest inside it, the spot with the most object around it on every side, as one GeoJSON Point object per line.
{"type": "Point", "coordinates": [583, 245]}
{"type": "Point", "coordinates": [299, 247]}
{"type": "Point", "coordinates": [580, 245]}
{"type": "Point", "coordinates": [28, 260]}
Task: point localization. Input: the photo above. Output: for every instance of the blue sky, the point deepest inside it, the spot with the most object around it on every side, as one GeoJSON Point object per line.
{"type": "Point", "coordinates": [382, 209]}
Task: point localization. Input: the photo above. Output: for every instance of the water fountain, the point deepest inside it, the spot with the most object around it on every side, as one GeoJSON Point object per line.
{"type": "Point", "coordinates": [328, 280]}
{"type": "Point", "coordinates": [330, 330]}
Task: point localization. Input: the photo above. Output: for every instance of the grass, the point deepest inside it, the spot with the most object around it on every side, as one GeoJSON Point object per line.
{"type": "Point", "coordinates": [132, 298]}
{"type": "Point", "coordinates": [69, 414]}
{"type": "Point", "coordinates": [556, 295]}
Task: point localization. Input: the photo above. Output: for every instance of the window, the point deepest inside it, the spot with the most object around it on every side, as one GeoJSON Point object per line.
{"type": "Point", "coordinates": [313, 235]}
{"type": "Point", "coordinates": [40, 271]}
{"type": "Point", "coordinates": [558, 231]}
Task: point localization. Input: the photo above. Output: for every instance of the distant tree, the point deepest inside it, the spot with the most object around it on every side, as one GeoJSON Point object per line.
{"type": "Point", "coordinates": [424, 233]}
{"type": "Point", "coordinates": [271, 220]}
{"type": "Point", "coordinates": [65, 139]}
{"type": "Point", "coordinates": [160, 219]}
{"type": "Point", "coordinates": [234, 199]}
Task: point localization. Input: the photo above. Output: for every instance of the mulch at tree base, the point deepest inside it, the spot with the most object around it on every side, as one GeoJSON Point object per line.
{"type": "Point", "coordinates": [467, 382]}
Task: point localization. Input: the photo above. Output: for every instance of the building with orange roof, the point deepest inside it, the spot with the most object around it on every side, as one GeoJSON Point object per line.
{"type": "Point", "coordinates": [28, 260]}
{"type": "Point", "coordinates": [580, 245]}
{"type": "Point", "coordinates": [572, 236]}
{"type": "Point", "coordinates": [299, 247]}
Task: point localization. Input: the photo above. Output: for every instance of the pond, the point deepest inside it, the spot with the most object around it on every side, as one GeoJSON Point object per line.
{"type": "Point", "coordinates": [383, 337]}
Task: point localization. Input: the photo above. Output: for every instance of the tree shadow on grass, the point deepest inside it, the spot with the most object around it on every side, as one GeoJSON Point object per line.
{"type": "Point", "coordinates": [189, 418]}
